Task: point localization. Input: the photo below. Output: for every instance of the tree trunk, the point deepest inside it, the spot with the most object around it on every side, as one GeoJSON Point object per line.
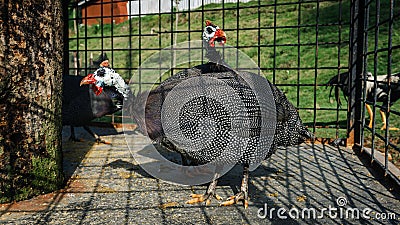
{"type": "Point", "coordinates": [31, 54]}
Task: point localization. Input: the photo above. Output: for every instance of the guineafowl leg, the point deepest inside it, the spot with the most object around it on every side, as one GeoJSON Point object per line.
{"type": "Point", "coordinates": [72, 137]}
{"type": "Point", "coordinates": [371, 115]}
{"type": "Point", "coordinates": [97, 137]}
{"type": "Point", "coordinates": [383, 115]}
{"type": "Point", "coordinates": [210, 193]}
{"type": "Point", "coordinates": [243, 194]}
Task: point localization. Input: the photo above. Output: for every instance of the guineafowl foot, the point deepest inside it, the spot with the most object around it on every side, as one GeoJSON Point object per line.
{"type": "Point", "coordinates": [74, 139]}
{"type": "Point", "coordinates": [391, 128]}
{"type": "Point", "coordinates": [370, 124]}
{"type": "Point", "coordinates": [97, 137]}
{"type": "Point", "coordinates": [198, 198]}
{"type": "Point", "coordinates": [241, 196]}
{"type": "Point", "coordinates": [101, 141]}
{"type": "Point", "coordinates": [383, 115]}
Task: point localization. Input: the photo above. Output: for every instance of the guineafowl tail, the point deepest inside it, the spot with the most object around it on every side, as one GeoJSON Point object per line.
{"type": "Point", "coordinates": [145, 108]}
{"type": "Point", "coordinates": [304, 134]}
{"type": "Point", "coordinates": [397, 75]}
{"type": "Point", "coordinates": [136, 109]}
{"type": "Point", "coordinates": [308, 136]}
{"type": "Point", "coordinates": [338, 82]}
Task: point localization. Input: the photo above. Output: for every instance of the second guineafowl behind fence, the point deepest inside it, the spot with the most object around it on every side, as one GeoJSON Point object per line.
{"type": "Point", "coordinates": [381, 90]}
{"type": "Point", "coordinates": [81, 105]}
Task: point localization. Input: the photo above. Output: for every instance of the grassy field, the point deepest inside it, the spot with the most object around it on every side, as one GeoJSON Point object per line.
{"type": "Point", "coordinates": [288, 55]}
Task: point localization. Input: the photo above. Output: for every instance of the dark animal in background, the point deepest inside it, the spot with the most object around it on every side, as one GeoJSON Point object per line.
{"type": "Point", "coordinates": [289, 127]}
{"type": "Point", "coordinates": [381, 90]}
{"type": "Point", "coordinates": [81, 105]}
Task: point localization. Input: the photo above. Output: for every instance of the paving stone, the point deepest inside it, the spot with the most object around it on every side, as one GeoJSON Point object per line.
{"type": "Point", "coordinates": [107, 186]}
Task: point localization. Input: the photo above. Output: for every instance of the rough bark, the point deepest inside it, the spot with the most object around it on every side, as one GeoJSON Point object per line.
{"type": "Point", "coordinates": [31, 54]}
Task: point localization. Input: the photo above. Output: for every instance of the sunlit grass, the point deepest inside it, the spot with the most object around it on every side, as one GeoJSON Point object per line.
{"type": "Point", "coordinates": [291, 56]}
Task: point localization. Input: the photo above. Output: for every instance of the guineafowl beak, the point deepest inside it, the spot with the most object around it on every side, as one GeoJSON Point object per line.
{"type": "Point", "coordinates": [220, 36]}
{"type": "Point", "coordinates": [89, 79]}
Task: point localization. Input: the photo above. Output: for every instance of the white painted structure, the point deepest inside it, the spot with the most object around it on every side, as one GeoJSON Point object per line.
{"type": "Point", "coordinates": [162, 6]}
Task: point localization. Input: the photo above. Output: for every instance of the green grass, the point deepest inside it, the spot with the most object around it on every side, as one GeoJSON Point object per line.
{"type": "Point", "coordinates": [330, 56]}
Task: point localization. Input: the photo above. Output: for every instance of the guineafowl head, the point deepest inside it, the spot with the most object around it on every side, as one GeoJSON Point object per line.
{"type": "Point", "coordinates": [212, 33]}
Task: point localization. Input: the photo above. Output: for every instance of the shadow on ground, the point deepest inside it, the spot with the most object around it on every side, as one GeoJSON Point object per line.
{"type": "Point", "coordinates": [297, 185]}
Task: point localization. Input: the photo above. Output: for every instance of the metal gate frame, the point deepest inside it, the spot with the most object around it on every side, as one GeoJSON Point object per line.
{"type": "Point", "coordinates": [357, 128]}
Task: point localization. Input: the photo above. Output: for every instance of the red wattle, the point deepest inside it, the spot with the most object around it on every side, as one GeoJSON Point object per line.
{"type": "Point", "coordinates": [97, 90]}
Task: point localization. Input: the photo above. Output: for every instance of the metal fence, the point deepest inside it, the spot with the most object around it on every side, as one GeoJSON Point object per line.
{"type": "Point", "coordinates": [298, 45]}
{"type": "Point", "coordinates": [375, 73]}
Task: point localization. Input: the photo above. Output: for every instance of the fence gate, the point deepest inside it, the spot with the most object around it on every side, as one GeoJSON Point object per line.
{"type": "Point", "coordinates": [375, 73]}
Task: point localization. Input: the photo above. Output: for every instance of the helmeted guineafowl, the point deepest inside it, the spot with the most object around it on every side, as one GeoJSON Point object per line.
{"type": "Point", "coordinates": [189, 120]}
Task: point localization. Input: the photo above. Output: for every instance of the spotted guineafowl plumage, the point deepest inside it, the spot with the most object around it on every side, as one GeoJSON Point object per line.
{"type": "Point", "coordinates": [289, 129]}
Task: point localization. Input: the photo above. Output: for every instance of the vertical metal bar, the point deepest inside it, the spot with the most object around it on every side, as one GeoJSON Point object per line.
{"type": "Point", "coordinates": [130, 41]}
{"type": "Point", "coordinates": [356, 72]}
{"type": "Point", "coordinates": [76, 66]}
{"type": "Point", "coordinates": [389, 75]}
{"type": "Point", "coordinates": [352, 60]}
{"type": "Point", "coordinates": [112, 34]}
{"type": "Point", "coordinates": [316, 68]}
{"type": "Point", "coordinates": [172, 37]}
{"type": "Point", "coordinates": [140, 42]}
{"type": "Point", "coordinates": [360, 73]}
{"type": "Point", "coordinates": [189, 32]}
{"type": "Point", "coordinates": [159, 39]}
{"type": "Point", "coordinates": [364, 75]}
{"type": "Point", "coordinates": [188, 18]}
{"type": "Point", "coordinates": [298, 53]}
{"type": "Point", "coordinates": [176, 31]}
{"type": "Point", "coordinates": [274, 59]}
{"type": "Point", "coordinates": [86, 45]}
{"type": "Point", "coordinates": [376, 47]}
{"type": "Point", "coordinates": [66, 7]}
{"type": "Point", "coordinates": [102, 28]}
{"type": "Point", "coordinates": [223, 24]}
{"type": "Point", "coordinates": [259, 35]}
{"type": "Point", "coordinates": [78, 43]}
{"type": "Point", "coordinates": [339, 62]}
{"type": "Point", "coordinates": [202, 19]}
{"type": "Point", "coordinates": [237, 33]}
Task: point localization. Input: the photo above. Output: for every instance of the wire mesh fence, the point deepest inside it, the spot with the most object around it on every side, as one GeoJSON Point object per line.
{"type": "Point", "coordinates": [380, 81]}
{"type": "Point", "coordinates": [298, 45]}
